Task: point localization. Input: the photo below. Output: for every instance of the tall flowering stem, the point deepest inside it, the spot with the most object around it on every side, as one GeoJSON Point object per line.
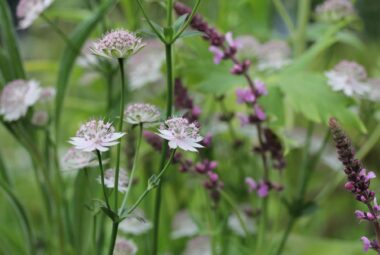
{"type": "Point", "coordinates": [358, 183]}
{"type": "Point", "coordinates": [102, 178]}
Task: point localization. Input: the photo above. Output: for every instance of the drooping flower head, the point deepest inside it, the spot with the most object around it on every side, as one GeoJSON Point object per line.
{"type": "Point", "coordinates": [109, 179]}
{"type": "Point", "coordinates": [136, 224]}
{"type": "Point", "coordinates": [125, 247]}
{"type": "Point", "coordinates": [96, 135]}
{"type": "Point", "coordinates": [348, 77]}
{"type": "Point", "coordinates": [117, 44]}
{"type": "Point", "coordinates": [180, 133]}
{"type": "Point", "coordinates": [76, 159]}
{"type": "Point", "coordinates": [334, 10]}
{"type": "Point", "coordinates": [29, 10]}
{"type": "Point", "coordinates": [16, 97]}
{"type": "Point", "coordinates": [273, 55]}
{"type": "Point", "coordinates": [140, 113]}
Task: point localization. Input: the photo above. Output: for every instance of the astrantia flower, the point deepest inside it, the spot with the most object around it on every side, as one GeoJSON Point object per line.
{"type": "Point", "coordinates": [183, 226]}
{"type": "Point", "coordinates": [16, 97]}
{"type": "Point", "coordinates": [109, 179]}
{"type": "Point", "coordinates": [47, 94]}
{"type": "Point", "coordinates": [40, 118]}
{"type": "Point", "coordinates": [29, 10]}
{"type": "Point", "coordinates": [198, 246]}
{"type": "Point", "coordinates": [334, 10]}
{"type": "Point", "coordinates": [348, 77]}
{"type": "Point", "coordinates": [117, 44]}
{"type": "Point", "coordinates": [273, 55]}
{"type": "Point", "coordinates": [76, 159]}
{"type": "Point", "coordinates": [135, 224]}
{"type": "Point", "coordinates": [96, 135]}
{"type": "Point", "coordinates": [125, 247]}
{"type": "Point", "coordinates": [141, 113]}
{"type": "Point", "coordinates": [235, 225]}
{"type": "Point", "coordinates": [180, 133]}
{"type": "Point", "coordinates": [249, 46]}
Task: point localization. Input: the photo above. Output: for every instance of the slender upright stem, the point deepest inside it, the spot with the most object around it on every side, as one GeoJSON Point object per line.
{"type": "Point", "coordinates": [115, 227]}
{"type": "Point", "coordinates": [120, 129]}
{"type": "Point", "coordinates": [169, 106]}
{"type": "Point", "coordinates": [285, 236]}
{"type": "Point", "coordinates": [133, 167]}
{"type": "Point", "coordinates": [102, 178]}
{"type": "Point", "coordinates": [303, 19]}
{"type": "Point", "coordinates": [368, 145]}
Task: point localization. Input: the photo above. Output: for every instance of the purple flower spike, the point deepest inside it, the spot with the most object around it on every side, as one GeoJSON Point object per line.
{"type": "Point", "coordinates": [252, 185]}
{"type": "Point", "coordinates": [245, 96]}
{"type": "Point", "coordinates": [231, 42]}
{"type": "Point", "coordinates": [261, 88]}
{"type": "Point", "coordinates": [260, 114]}
{"type": "Point", "coordinates": [263, 190]}
{"type": "Point", "coordinates": [366, 243]}
{"type": "Point", "coordinates": [244, 119]}
{"type": "Point", "coordinates": [218, 54]}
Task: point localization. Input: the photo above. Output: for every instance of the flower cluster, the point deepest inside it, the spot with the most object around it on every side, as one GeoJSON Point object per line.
{"type": "Point", "coordinates": [76, 159]}
{"type": "Point", "coordinates": [96, 135]}
{"type": "Point", "coordinates": [16, 98]}
{"type": "Point", "coordinates": [109, 179]}
{"type": "Point", "coordinates": [185, 102]}
{"type": "Point", "coordinates": [358, 181]}
{"type": "Point", "coordinates": [334, 10]}
{"type": "Point", "coordinates": [125, 247]}
{"type": "Point", "coordinates": [348, 77]}
{"type": "Point", "coordinates": [181, 133]}
{"type": "Point", "coordinates": [29, 10]}
{"type": "Point", "coordinates": [273, 55]}
{"type": "Point", "coordinates": [117, 44]}
{"type": "Point", "coordinates": [141, 113]}
{"type": "Point", "coordinates": [262, 188]}
{"type": "Point", "coordinates": [136, 224]}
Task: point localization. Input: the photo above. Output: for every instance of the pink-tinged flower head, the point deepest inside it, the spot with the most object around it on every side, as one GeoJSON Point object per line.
{"type": "Point", "coordinates": [367, 177]}
{"type": "Point", "coordinates": [47, 94]}
{"type": "Point", "coordinates": [252, 185]}
{"type": "Point", "coordinates": [263, 190]}
{"type": "Point", "coordinates": [76, 159]}
{"type": "Point", "coordinates": [136, 224]}
{"type": "Point", "coordinates": [231, 42]}
{"type": "Point", "coordinates": [366, 243]}
{"type": "Point", "coordinates": [376, 207]}
{"type": "Point", "coordinates": [29, 10]}
{"type": "Point", "coordinates": [141, 113]}
{"type": "Point", "coordinates": [261, 88]}
{"type": "Point", "coordinates": [96, 135]}
{"type": "Point", "coordinates": [245, 96]}
{"type": "Point", "coordinates": [109, 179]}
{"type": "Point", "coordinates": [117, 44]}
{"type": "Point", "coordinates": [334, 10]}
{"type": "Point", "coordinates": [273, 55]}
{"type": "Point", "coordinates": [180, 133]}
{"type": "Point", "coordinates": [360, 215]}
{"type": "Point", "coordinates": [183, 226]}
{"type": "Point", "coordinates": [348, 77]}
{"type": "Point", "coordinates": [40, 118]}
{"type": "Point", "coordinates": [16, 97]}
{"type": "Point", "coordinates": [125, 247]}
{"type": "Point", "coordinates": [218, 54]}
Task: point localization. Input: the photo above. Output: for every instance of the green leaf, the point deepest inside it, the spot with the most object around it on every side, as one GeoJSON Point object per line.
{"type": "Point", "coordinates": [179, 23]}
{"type": "Point", "coordinates": [78, 37]}
{"type": "Point", "coordinates": [309, 94]}
{"type": "Point", "coordinates": [191, 33]}
{"type": "Point", "coordinates": [9, 40]}
{"type": "Point", "coordinates": [5, 67]}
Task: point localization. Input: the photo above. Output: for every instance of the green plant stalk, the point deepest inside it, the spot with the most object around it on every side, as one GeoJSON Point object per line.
{"type": "Point", "coordinates": [115, 228]}
{"type": "Point", "coordinates": [285, 236]}
{"type": "Point", "coordinates": [234, 207]}
{"type": "Point", "coordinates": [23, 218]}
{"type": "Point", "coordinates": [284, 16]}
{"type": "Point", "coordinates": [303, 19]}
{"type": "Point", "coordinates": [304, 163]}
{"type": "Point", "coordinates": [102, 179]}
{"type": "Point", "coordinates": [370, 143]}
{"type": "Point", "coordinates": [133, 167]}
{"type": "Point", "coordinates": [120, 129]}
{"type": "Point", "coordinates": [4, 172]}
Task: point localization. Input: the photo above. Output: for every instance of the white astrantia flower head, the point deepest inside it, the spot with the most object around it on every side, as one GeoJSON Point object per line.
{"type": "Point", "coordinates": [183, 226]}
{"type": "Point", "coordinates": [140, 113]}
{"type": "Point", "coordinates": [47, 94]}
{"type": "Point", "coordinates": [249, 46]}
{"type": "Point", "coordinates": [135, 224]}
{"type": "Point", "coordinates": [125, 247]}
{"type": "Point", "coordinates": [117, 44]}
{"type": "Point", "coordinates": [29, 10]}
{"type": "Point", "coordinates": [16, 97]}
{"type": "Point", "coordinates": [76, 159]}
{"type": "Point", "coordinates": [109, 179]}
{"type": "Point", "coordinates": [200, 245]}
{"type": "Point", "coordinates": [348, 77]}
{"type": "Point", "coordinates": [334, 10]}
{"type": "Point", "coordinates": [96, 135]}
{"type": "Point", "coordinates": [235, 225]}
{"type": "Point", "coordinates": [374, 86]}
{"type": "Point", "coordinates": [145, 67]}
{"type": "Point", "coordinates": [180, 133]}
{"type": "Point", "coordinates": [273, 55]}
{"type": "Point", "coordinates": [40, 118]}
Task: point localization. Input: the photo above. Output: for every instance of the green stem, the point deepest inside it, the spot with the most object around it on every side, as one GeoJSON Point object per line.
{"type": "Point", "coordinates": [284, 15]}
{"type": "Point", "coordinates": [121, 120]}
{"type": "Point", "coordinates": [371, 142]}
{"type": "Point", "coordinates": [152, 26]}
{"type": "Point", "coordinates": [169, 108]}
{"type": "Point", "coordinates": [304, 164]}
{"type": "Point", "coordinates": [285, 236]}
{"type": "Point", "coordinates": [230, 201]}
{"type": "Point", "coordinates": [187, 23]}
{"type": "Point", "coordinates": [21, 212]}
{"type": "Point", "coordinates": [229, 122]}
{"type": "Point", "coordinates": [4, 171]}
{"type": "Point", "coordinates": [133, 167]}
{"type": "Point", "coordinates": [115, 227]}
{"type": "Point", "coordinates": [102, 179]}
{"type": "Point", "coordinates": [303, 19]}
